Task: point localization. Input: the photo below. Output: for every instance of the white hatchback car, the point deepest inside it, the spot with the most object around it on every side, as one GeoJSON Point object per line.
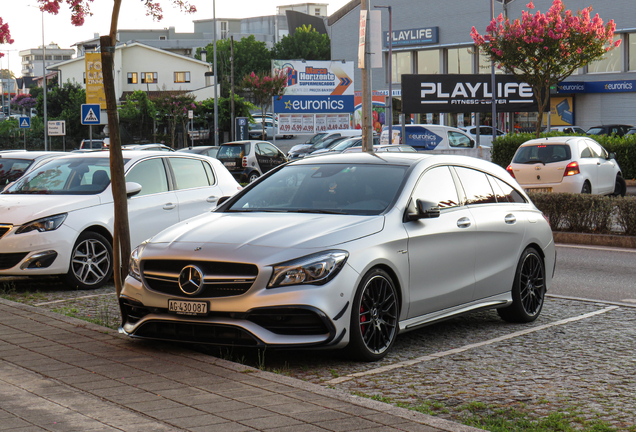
{"type": "Point", "coordinates": [58, 219]}
{"type": "Point", "coordinates": [567, 164]}
{"type": "Point", "coordinates": [344, 251]}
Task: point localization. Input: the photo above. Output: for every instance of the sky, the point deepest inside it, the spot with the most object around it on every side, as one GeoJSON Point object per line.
{"type": "Point", "coordinates": [25, 21]}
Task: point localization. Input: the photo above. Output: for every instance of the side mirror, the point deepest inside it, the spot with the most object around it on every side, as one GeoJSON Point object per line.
{"type": "Point", "coordinates": [612, 155]}
{"type": "Point", "coordinates": [132, 189]}
{"type": "Point", "coordinates": [222, 200]}
{"type": "Point", "coordinates": [424, 210]}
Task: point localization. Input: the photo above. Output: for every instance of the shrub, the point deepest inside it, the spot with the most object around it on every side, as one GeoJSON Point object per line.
{"type": "Point", "coordinates": [626, 217]}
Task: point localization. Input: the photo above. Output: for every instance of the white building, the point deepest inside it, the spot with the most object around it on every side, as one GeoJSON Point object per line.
{"type": "Point", "coordinates": [33, 59]}
{"type": "Point", "coordinates": [142, 67]}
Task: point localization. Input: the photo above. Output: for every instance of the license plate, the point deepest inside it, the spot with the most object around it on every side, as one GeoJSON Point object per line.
{"type": "Point", "coordinates": [547, 189]}
{"type": "Point", "coordinates": [230, 164]}
{"type": "Point", "coordinates": [186, 307]}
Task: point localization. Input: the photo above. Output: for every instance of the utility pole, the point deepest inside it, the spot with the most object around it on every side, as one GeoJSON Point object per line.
{"type": "Point", "coordinates": [216, 81]}
{"type": "Point", "coordinates": [364, 63]}
{"type": "Point", "coordinates": [43, 85]}
{"type": "Point", "coordinates": [233, 137]}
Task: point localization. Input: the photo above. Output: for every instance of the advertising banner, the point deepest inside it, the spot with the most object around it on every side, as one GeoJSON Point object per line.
{"type": "Point", "coordinates": [94, 80]}
{"type": "Point", "coordinates": [561, 111]}
{"type": "Point", "coordinates": [597, 86]}
{"type": "Point", "coordinates": [302, 124]}
{"type": "Point", "coordinates": [316, 77]}
{"type": "Point", "coordinates": [456, 93]}
{"type": "Point", "coordinates": [313, 104]}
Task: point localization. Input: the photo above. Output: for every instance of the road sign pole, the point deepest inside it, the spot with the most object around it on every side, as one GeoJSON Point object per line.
{"type": "Point", "coordinates": [90, 131]}
{"type": "Point", "coordinates": [25, 139]}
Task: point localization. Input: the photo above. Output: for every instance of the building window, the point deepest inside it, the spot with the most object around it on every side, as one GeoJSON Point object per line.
{"type": "Point", "coordinates": [132, 78]}
{"type": "Point", "coordinates": [401, 64]}
{"type": "Point", "coordinates": [162, 38]}
{"type": "Point", "coordinates": [610, 62]}
{"type": "Point", "coordinates": [57, 57]}
{"type": "Point", "coordinates": [182, 77]}
{"type": "Point", "coordinates": [84, 77]}
{"type": "Point", "coordinates": [225, 32]}
{"type": "Point", "coordinates": [66, 57]}
{"type": "Point", "coordinates": [484, 65]}
{"type": "Point", "coordinates": [460, 60]}
{"type": "Point", "coordinates": [38, 57]}
{"type": "Point", "coordinates": [428, 62]}
{"type": "Point", "coordinates": [317, 12]}
{"type": "Point", "coordinates": [149, 77]}
{"type": "Point", "coordinates": [631, 51]}
{"type": "Point", "coordinates": [48, 57]}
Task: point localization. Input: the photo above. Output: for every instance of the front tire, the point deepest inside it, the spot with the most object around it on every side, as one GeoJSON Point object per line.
{"type": "Point", "coordinates": [374, 317]}
{"type": "Point", "coordinates": [528, 289]}
{"type": "Point", "coordinates": [91, 262]}
{"type": "Point", "coordinates": [620, 188]}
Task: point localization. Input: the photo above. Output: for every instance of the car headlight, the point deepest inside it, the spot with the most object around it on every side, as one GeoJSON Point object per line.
{"type": "Point", "coordinates": [50, 223]}
{"type": "Point", "coordinates": [316, 269]}
{"type": "Point", "coordinates": [133, 268]}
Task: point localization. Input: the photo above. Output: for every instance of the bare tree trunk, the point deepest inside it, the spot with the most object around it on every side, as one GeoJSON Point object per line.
{"type": "Point", "coordinates": [121, 235]}
{"type": "Point", "coordinates": [542, 102]}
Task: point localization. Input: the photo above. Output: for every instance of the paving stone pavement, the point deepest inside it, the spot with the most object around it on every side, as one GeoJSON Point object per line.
{"type": "Point", "coordinates": [62, 374]}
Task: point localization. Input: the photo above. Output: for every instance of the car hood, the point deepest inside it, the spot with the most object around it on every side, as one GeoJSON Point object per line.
{"type": "Point", "coordinates": [19, 209]}
{"type": "Point", "coordinates": [278, 230]}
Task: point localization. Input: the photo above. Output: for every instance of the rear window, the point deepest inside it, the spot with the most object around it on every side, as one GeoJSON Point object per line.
{"type": "Point", "coordinates": [543, 153]}
{"type": "Point", "coordinates": [96, 144]}
{"type": "Point", "coordinates": [595, 131]}
{"type": "Point", "coordinates": [233, 151]}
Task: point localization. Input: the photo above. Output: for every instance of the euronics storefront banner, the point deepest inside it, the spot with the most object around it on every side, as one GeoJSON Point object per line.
{"type": "Point", "coordinates": [299, 124]}
{"type": "Point", "coordinates": [311, 77]}
{"type": "Point", "coordinates": [313, 104]}
{"type": "Point", "coordinates": [597, 86]}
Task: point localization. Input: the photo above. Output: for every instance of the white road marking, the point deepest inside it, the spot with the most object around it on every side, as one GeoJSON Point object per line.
{"type": "Point", "coordinates": [600, 248]}
{"type": "Point", "coordinates": [71, 299]}
{"type": "Point", "coordinates": [589, 300]}
{"type": "Point", "coordinates": [466, 347]}
{"type": "Point", "coordinates": [629, 300]}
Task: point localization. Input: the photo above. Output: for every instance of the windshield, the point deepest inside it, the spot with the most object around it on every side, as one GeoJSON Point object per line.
{"type": "Point", "coordinates": [65, 176]}
{"type": "Point", "coordinates": [12, 169]}
{"type": "Point", "coordinates": [542, 154]}
{"type": "Point", "coordinates": [346, 144]}
{"type": "Point", "coordinates": [595, 131]}
{"type": "Point", "coordinates": [353, 189]}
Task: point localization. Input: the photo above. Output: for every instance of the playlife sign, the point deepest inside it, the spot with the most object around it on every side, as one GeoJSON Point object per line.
{"type": "Point", "coordinates": [417, 36]}
{"type": "Point", "coordinates": [465, 93]}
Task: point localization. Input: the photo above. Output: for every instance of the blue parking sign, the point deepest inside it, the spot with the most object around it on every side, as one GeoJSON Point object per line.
{"type": "Point", "coordinates": [25, 122]}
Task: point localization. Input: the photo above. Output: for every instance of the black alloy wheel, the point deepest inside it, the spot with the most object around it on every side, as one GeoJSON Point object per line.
{"type": "Point", "coordinates": [374, 318]}
{"type": "Point", "coordinates": [528, 290]}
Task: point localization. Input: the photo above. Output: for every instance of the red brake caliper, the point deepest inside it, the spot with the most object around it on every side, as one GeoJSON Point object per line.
{"type": "Point", "coordinates": [362, 319]}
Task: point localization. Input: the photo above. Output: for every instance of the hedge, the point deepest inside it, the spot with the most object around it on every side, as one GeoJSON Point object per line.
{"type": "Point", "coordinates": [593, 214]}
{"type": "Point", "coordinates": [504, 148]}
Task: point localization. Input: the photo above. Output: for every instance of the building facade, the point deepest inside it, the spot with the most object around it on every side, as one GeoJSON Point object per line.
{"type": "Point", "coordinates": [35, 59]}
{"type": "Point", "coordinates": [601, 93]}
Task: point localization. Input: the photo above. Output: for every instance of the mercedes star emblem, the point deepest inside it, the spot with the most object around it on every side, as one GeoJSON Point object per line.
{"type": "Point", "coordinates": [191, 280]}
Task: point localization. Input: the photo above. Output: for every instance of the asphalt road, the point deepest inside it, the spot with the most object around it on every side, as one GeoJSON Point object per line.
{"type": "Point", "coordinates": [595, 273]}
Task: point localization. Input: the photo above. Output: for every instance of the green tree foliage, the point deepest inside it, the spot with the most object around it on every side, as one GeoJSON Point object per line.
{"type": "Point", "coordinates": [544, 49]}
{"type": "Point", "coordinates": [249, 55]}
{"type": "Point", "coordinates": [65, 103]}
{"type": "Point", "coordinates": [306, 43]}
{"type": "Point", "coordinates": [172, 111]}
{"type": "Point", "coordinates": [265, 87]}
{"type": "Point", "coordinates": [137, 115]}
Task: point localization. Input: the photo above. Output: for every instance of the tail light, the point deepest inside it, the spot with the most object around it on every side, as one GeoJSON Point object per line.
{"type": "Point", "coordinates": [244, 161]}
{"type": "Point", "coordinates": [509, 169]}
{"type": "Point", "coordinates": [571, 169]}
{"type": "Point", "coordinates": [546, 219]}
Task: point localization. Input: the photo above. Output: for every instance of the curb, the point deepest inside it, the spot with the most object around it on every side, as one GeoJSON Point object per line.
{"type": "Point", "coordinates": [595, 239]}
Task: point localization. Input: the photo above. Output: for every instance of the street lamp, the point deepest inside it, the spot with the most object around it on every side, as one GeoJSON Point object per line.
{"type": "Point", "coordinates": [216, 80]}
{"type": "Point", "coordinates": [44, 83]}
{"type": "Point", "coordinates": [390, 73]}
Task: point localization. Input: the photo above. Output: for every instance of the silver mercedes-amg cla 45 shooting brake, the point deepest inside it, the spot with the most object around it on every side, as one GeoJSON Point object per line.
{"type": "Point", "coordinates": [344, 251]}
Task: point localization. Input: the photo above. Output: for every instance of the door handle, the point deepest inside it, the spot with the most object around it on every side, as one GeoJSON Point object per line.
{"type": "Point", "coordinates": [169, 206]}
{"type": "Point", "coordinates": [212, 199]}
{"type": "Point", "coordinates": [463, 222]}
{"type": "Point", "coordinates": [510, 219]}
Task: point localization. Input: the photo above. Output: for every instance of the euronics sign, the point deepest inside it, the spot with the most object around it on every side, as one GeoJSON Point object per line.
{"type": "Point", "coordinates": [316, 77]}
{"type": "Point", "coordinates": [597, 86]}
{"type": "Point", "coordinates": [314, 104]}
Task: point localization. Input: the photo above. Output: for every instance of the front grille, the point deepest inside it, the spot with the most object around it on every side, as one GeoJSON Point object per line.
{"type": "Point", "coordinates": [220, 279]}
{"type": "Point", "coordinates": [5, 229]}
{"type": "Point", "coordinates": [289, 321]}
{"type": "Point", "coordinates": [215, 334]}
{"type": "Point", "coordinates": [9, 260]}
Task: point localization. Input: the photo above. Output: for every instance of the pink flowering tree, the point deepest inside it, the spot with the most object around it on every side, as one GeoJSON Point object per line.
{"type": "Point", "coordinates": [265, 87]}
{"type": "Point", "coordinates": [544, 49]}
{"type": "Point", "coordinates": [80, 9]}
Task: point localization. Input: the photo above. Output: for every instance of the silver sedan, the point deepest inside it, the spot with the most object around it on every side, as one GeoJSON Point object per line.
{"type": "Point", "coordinates": [345, 251]}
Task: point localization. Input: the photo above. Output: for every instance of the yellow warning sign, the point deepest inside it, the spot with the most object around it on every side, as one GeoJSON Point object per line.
{"type": "Point", "coordinates": [94, 80]}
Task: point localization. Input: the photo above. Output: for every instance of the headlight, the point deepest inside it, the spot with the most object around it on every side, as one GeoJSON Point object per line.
{"type": "Point", "coordinates": [50, 223]}
{"type": "Point", "coordinates": [316, 269]}
{"type": "Point", "coordinates": [134, 269]}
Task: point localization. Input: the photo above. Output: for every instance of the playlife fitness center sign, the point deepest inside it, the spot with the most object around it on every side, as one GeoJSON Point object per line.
{"type": "Point", "coordinates": [318, 97]}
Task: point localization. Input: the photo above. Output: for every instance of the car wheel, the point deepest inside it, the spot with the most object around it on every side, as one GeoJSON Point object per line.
{"type": "Point", "coordinates": [587, 188]}
{"type": "Point", "coordinates": [528, 289]}
{"type": "Point", "coordinates": [91, 262]}
{"type": "Point", "coordinates": [252, 177]}
{"type": "Point", "coordinates": [620, 189]}
{"type": "Point", "coordinates": [374, 317]}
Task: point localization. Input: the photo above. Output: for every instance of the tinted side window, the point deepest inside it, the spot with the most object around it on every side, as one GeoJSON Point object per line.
{"type": "Point", "coordinates": [597, 149]}
{"type": "Point", "coordinates": [437, 186]}
{"type": "Point", "coordinates": [210, 173]}
{"type": "Point", "coordinates": [509, 192]}
{"type": "Point", "coordinates": [151, 175]}
{"type": "Point", "coordinates": [189, 173]}
{"type": "Point", "coordinates": [476, 186]}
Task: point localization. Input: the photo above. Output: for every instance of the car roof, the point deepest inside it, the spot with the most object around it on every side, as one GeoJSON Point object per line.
{"type": "Point", "coordinates": [553, 140]}
{"type": "Point", "coordinates": [24, 154]}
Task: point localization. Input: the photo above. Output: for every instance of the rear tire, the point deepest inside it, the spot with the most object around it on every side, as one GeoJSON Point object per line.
{"type": "Point", "coordinates": [620, 188]}
{"type": "Point", "coordinates": [587, 188]}
{"type": "Point", "coordinates": [374, 317]}
{"type": "Point", "coordinates": [91, 263]}
{"type": "Point", "coordinates": [528, 289]}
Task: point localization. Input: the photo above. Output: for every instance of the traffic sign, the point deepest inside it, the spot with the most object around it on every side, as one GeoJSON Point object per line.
{"type": "Point", "coordinates": [25, 122]}
{"type": "Point", "coordinates": [57, 128]}
{"type": "Point", "coordinates": [91, 114]}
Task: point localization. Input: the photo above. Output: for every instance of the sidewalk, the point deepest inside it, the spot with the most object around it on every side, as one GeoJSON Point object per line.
{"type": "Point", "coordinates": [64, 374]}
